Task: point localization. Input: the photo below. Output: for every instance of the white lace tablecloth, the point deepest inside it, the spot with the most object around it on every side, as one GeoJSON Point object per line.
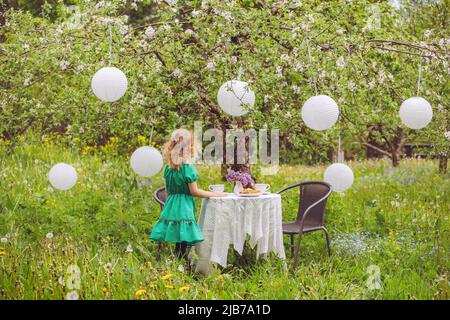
{"type": "Point", "coordinates": [227, 221]}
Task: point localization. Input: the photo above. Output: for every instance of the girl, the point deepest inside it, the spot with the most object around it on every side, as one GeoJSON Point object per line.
{"type": "Point", "coordinates": [177, 222]}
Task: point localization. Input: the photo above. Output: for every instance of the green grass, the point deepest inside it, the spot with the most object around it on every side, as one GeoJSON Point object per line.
{"type": "Point", "coordinates": [394, 218]}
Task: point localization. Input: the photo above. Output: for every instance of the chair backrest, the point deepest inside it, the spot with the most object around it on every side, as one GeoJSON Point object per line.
{"type": "Point", "coordinates": [310, 193]}
{"type": "Point", "coordinates": [160, 196]}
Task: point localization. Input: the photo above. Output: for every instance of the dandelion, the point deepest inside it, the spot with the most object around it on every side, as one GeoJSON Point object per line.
{"type": "Point", "coordinates": [139, 293]}
{"type": "Point", "coordinates": [167, 276]}
{"type": "Point", "coordinates": [129, 248]}
{"type": "Point", "coordinates": [4, 240]}
{"type": "Point", "coordinates": [72, 295]}
{"type": "Point", "coordinates": [105, 290]}
{"type": "Point", "coordinates": [184, 289]}
{"type": "Point", "coordinates": [168, 286]}
{"type": "Point", "coordinates": [49, 235]}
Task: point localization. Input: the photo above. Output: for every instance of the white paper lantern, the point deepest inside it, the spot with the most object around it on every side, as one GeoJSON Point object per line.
{"type": "Point", "coordinates": [320, 112]}
{"type": "Point", "coordinates": [62, 176]}
{"type": "Point", "coordinates": [146, 161]}
{"type": "Point", "coordinates": [416, 113]}
{"type": "Point", "coordinates": [339, 176]}
{"type": "Point", "coordinates": [233, 96]}
{"type": "Point", "coordinates": [109, 84]}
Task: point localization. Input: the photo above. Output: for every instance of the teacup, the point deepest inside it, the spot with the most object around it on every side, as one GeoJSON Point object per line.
{"type": "Point", "coordinates": [262, 187]}
{"type": "Point", "coordinates": [218, 188]}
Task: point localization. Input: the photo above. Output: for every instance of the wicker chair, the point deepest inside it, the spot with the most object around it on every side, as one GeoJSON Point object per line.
{"type": "Point", "coordinates": [310, 215]}
{"type": "Point", "coordinates": [160, 196]}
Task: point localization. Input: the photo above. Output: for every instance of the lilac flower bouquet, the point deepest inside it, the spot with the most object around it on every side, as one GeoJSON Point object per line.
{"type": "Point", "coordinates": [244, 177]}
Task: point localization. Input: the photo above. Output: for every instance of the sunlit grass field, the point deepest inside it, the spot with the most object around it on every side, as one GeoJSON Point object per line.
{"type": "Point", "coordinates": [394, 219]}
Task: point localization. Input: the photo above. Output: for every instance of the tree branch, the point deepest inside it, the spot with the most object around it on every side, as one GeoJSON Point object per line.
{"type": "Point", "coordinates": [377, 149]}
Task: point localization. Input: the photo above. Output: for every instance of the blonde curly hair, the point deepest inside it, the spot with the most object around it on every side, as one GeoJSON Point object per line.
{"type": "Point", "coordinates": [181, 148]}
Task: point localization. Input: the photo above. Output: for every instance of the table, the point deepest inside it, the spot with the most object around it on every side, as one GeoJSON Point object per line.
{"type": "Point", "coordinates": [228, 220]}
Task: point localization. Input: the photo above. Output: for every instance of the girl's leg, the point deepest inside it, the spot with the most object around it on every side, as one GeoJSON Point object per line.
{"type": "Point", "coordinates": [177, 250]}
{"type": "Point", "coordinates": [183, 250]}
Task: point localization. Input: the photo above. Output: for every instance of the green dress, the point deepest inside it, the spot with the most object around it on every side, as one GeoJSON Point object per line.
{"type": "Point", "coordinates": [177, 222]}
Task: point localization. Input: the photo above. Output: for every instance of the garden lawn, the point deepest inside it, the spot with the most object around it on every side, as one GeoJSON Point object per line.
{"type": "Point", "coordinates": [394, 219]}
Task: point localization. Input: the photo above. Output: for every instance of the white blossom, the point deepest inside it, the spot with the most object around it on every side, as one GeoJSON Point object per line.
{"type": "Point", "coordinates": [298, 67]}
{"type": "Point", "coordinates": [49, 235]}
{"type": "Point", "coordinates": [4, 240]}
{"type": "Point", "coordinates": [107, 266]}
{"type": "Point", "coordinates": [351, 86]}
{"type": "Point", "coordinates": [129, 248]}
{"type": "Point", "coordinates": [285, 57]}
{"type": "Point", "coordinates": [27, 81]}
{"type": "Point", "coordinates": [279, 71]}
{"type": "Point", "coordinates": [63, 64]}
{"type": "Point", "coordinates": [296, 89]}
{"type": "Point", "coordinates": [177, 73]}
{"type": "Point", "coordinates": [447, 135]}
{"type": "Point", "coordinates": [211, 65]}
{"type": "Point", "coordinates": [341, 62]}
{"type": "Point", "coordinates": [150, 32]}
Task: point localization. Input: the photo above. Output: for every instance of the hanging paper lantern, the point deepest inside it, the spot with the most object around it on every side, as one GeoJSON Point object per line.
{"type": "Point", "coordinates": [416, 113]}
{"type": "Point", "coordinates": [233, 96]}
{"type": "Point", "coordinates": [146, 161]}
{"type": "Point", "coordinates": [320, 112]}
{"type": "Point", "coordinates": [339, 176]}
{"type": "Point", "coordinates": [109, 84]}
{"type": "Point", "coordinates": [62, 176]}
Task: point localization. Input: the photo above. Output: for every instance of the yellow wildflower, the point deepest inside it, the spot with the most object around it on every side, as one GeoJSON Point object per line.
{"type": "Point", "coordinates": [167, 276]}
{"type": "Point", "coordinates": [139, 293]}
{"type": "Point", "coordinates": [169, 286]}
{"type": "Point", "coordinates": [2, 253]}
{"type": "Point", "coordinates": [105, 290]}
{"type": "Point", "coordinates": [142, 139]}
{"type": "Point", "coordinates": [184, 289]}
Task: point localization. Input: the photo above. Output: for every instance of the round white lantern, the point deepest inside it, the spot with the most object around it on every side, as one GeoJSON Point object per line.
{"type": "Point", "coordinates": [233, 96]}
{"type": "Point", "coordinates": [62, 176]}
{"type": "Point", "coordinates": [339, 176]}
{"type": "Point", "coordinates": [320, 112]}
{"type": "Point", "coordinates": [146, 161]}
{"type": "Point", "coordinates": [109, 84]}
{"type": "Point", "coordinates": [416, 113]}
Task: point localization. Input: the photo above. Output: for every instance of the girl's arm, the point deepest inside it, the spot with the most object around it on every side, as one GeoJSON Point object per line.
{"type": "Point", "coordinates": [196, 192]}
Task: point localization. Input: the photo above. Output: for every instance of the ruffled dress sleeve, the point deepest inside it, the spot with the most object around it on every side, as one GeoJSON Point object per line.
{"type": "Point", "coordinates": [190, 173]}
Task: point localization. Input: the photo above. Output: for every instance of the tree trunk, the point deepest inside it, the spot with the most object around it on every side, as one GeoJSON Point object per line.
{"type": "Point", "coordinates": [443, 161]}
{"type": "Point", "coordinates": [395, 158]}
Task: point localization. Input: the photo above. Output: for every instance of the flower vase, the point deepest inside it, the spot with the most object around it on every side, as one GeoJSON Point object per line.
{"type": "Point", "coordinates": [238, 187]}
